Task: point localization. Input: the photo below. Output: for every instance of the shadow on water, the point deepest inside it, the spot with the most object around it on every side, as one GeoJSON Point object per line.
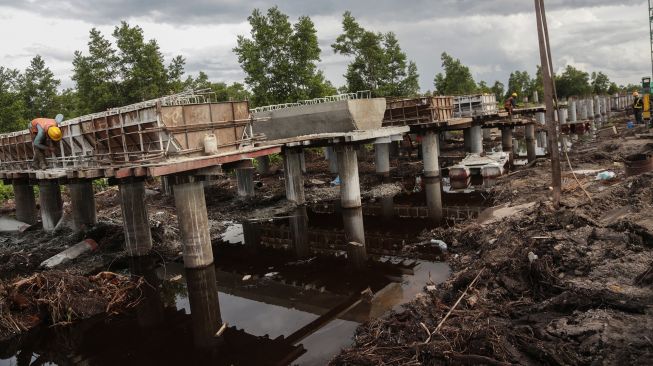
{"type": "Point", "coordinates": [282, 290]}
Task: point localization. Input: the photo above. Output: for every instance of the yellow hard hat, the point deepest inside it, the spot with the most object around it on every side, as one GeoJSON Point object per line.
{"type": "Point", "coordinates": [514, 95]}
{"type": "Point", "coordinates": [54, 133]}
{"type": "Point", "coordinates": [635, 94]}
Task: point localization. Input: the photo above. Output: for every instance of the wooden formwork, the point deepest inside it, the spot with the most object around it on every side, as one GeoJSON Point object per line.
{"type": "Point", "coordinates": [429, 109]}
{"type": "Point", "coordinates": [143, 133]}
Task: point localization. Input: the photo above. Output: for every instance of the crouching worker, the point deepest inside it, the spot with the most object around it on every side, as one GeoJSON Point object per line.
{"type": "Point", "coordinates": [45, 132]}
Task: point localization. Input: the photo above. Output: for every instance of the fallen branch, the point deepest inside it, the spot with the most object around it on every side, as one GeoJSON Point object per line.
{"type": "Point", "coordinates": [458, 301]}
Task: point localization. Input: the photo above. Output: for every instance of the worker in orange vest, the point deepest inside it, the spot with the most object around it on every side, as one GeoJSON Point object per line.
{"type": "Point", "coordinates": [510, 104]}
{"type": "Point", "coordinates": [44, 131]}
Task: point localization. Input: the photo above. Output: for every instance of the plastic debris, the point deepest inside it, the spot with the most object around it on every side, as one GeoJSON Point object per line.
{"type": "Point", "coordinates": [9, 225]}
{"type": "Point", "coordinates": [442, 245]}
{"type": "Point", "coordinates": [73, 252]}
{"type": "Point", "coordinates": [606, 175]}
{"type": "Point", "coordinates": [336, 182]}
{"type": "Point", "coordinates": [271, 274]}
{"type": "Point", "coordinates": [532, 257]}
{"type": "Point", "coordinates": [247, 277]}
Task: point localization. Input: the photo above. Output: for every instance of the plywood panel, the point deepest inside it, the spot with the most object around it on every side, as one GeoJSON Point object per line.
{"type": "Point", "coordinates": [196, 114]}
{"type": "Point", "coordinates": [172, 116]}
{"type": "Point", "coordinates": [221, 112]}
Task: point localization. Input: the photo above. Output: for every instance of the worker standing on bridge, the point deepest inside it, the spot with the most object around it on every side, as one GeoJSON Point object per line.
{"type": "Point", "coordinates": [510, 104]}
{"type": "Point", "coordinates": [638, 108]}
{"type": "Point", "coordinates": [44, 131]}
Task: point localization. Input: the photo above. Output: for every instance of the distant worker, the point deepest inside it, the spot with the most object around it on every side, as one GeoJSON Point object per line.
{"type": "Point", "coordinates": [44, 131]}
{"type": "Point", "coordinates": [510, 104]}
{"type": "Point", "coordinates": [638, 108]}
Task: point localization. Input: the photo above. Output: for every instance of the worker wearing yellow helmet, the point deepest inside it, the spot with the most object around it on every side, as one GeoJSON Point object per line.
{"type": "Point", "coordinates": [638, 108]}
{"type": "Point", "coordinates": [45, 132]}
{"type": "Point", "coordinates": [510, 104]}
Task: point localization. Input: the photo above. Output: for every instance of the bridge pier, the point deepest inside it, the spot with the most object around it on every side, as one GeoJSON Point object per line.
{"type": "Point", "coordinates": [431, 173]}
{"type": "Point", "coordinates": [51, 204]}
{"type": "Point", "coordinates": [83, 204]}
{"type": "Point", "coordinates": [487, 134]}
{"type": "Point", "coordinates": [138, 238]}
{"type": "Point", "coordinates": [531, 151]}
{"type": "Point", "coordinates": [263, 164]}
{"type": "Point", "coordinates": [506, 141]}
{"type": "Point", "coordinates": [193, 222]}
{"type": "Point", "coordinates": [332, 157]}
{"type": "Point", "coordinates": [25, 202]}
{"type": "Point", "coordinates": [292, 173]}
{"type": "Point", "coordinates": [467, 139]}
{"type": "Point", "coordinates": [245, 182]}
{"type": "Point", "coordinates": [382, 157]}
{"type": "Point", "coordinates": [476, 143]}
{"type": "Point", "coordinates": [299, 232]}
{"type": "Point", "coordinates": [350, 193]}
{"type": "Point", "coordinates": [355, 235]}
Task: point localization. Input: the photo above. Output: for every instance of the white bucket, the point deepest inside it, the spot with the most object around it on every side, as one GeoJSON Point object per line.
{"type": "Point", "coordinates": [210, 144]}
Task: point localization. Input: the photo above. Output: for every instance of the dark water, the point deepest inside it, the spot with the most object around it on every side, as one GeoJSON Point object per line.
{"type": "Point", "coordinates": [283, 290]}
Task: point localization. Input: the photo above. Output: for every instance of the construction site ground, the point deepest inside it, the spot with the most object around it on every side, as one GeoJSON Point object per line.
{"type": "Point", "coordinates": [529, 284]}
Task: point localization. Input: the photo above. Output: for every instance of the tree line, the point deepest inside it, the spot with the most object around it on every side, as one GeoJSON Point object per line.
{"type": "Point", "coordinates": [280, 61]}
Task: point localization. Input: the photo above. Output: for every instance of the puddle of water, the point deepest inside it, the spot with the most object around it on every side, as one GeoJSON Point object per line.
{"type": "Point", "coordinates": [282, 291]}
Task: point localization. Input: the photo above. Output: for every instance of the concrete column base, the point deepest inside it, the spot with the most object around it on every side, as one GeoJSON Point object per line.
{"type": "Point", "coordinates": [25, 202]}
{"type": "Point", "coordinates": [245, 182]}
{"type": "Point", "coordinates": [263, 165]}
{"type": "Point", "coordinates": [292, 172]}
{"type": "Point", "coordinates": [530, 142]}
{"type": "Point", "coordinates": [82, 198]}
{"type": "Point", "coordinates": [350, 193]}
{"type": "Point", "coordinates": [193, 224]}
{"type": "Point", "coordinates": [138, 237]}
{"type": "Point", "coordinates": [51, 204]}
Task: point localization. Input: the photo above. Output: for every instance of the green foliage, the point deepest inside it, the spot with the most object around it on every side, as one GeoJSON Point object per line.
{"type": "Point", "coordinates": [6, 192]}
{"type": "Point", "coordinates": [223, 92]}
{"type": "Point", "coordinates": [457, 79]}
{"type": "Point", "coordinates": [483, 87]}
{"type": "Point", "coordinates": [275, 159]}
{"type": "Point", "coordinates": [573, 82]}
{"type": "Point", "coordinates": [600, 83]}
{"type": "Point", "coordinates": [519, 82]}
{"type": "Point", "coordinates": [280, 59]}
{"type": "Point", "coordinates": [613, 88]}
{"type": "Point", "coordinates": [12, 106]}
{"type": "Point", "coordinates": [100, 185]}
{"type": "Point", "coordinates": [378, 64]}
{"type": "Point", "coordinates": [39, 89]}
{"type": "Point", "coordinates": [497, 89]}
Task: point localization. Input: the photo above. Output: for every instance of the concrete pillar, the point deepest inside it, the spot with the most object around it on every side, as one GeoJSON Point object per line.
{"type": "Point", "coordinates": [583, 110]}
{"type": "Point", "coordinates": [536, 98]}
{"type": "Point", "coordinates": [530, 142]}
{"type": "Point", "coordinates": [25, 202]}
{"type": "Point", "coordinates": [355, 236]}
{"type": "Point", "coordinates": [332, 156]}
{"type": "Point", "coordinates": [430, 149]}
{"type": "Point", "coordinates": [299, 232]}
{"type": "Point", "coordinates": [382, 159]}
{"type": "Point", "coordinates": [487, 134]}
{"type": "Point", "coordinates": [433, 190]}
{"type": "Point", "coordinates": [245, 182]}
{"type": "Point", "coordinates": [51, 204]}
{"type": "Point", "coordinates": [204, 303]}
{"type": "Point", "coordinates": [467, 139]}
{"type": "Point", "coordinates": [82, 198]}
{"type": "Point", "coordinates": [506, 139]}
{"type": "Point", "coordinates": [138, 238]}
{"type": "Point", "coordinates": [572, 111]}
{"type": "Point", "coordinates": [350, 191]}
{"type": "Point", "coordinates": [476, 140]}
{"type": "Point", "coordinates": [292, 172]}
{"type": "Point", "coordinates": [263, 164]}
{"type": "Point", "coordinates": [540, 118]}
{"type": "Point", "coordinates": [302, 161]}
{"type": "Point", "coordinates": [193, 224]}
{"type": "Point", "coordinates": [166, 187]}
{"type": "Point", "coordinates": [561, 116]}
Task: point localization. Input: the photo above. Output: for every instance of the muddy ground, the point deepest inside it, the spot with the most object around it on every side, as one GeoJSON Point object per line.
{"type": "Point", "coordinates": [568, 286]}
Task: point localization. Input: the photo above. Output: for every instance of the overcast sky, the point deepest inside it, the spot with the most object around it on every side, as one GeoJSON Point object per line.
{"type": "Point", "coordinates": [492, 37]}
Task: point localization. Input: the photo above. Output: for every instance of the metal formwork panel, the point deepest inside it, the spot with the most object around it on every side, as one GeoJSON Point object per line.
{"type": "Point", "coordinates": [429, 109]}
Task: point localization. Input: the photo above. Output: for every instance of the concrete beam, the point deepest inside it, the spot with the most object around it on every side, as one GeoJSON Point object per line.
{"type": "Point", "coordinates": [350, 193]}
{"type": "Point", "coordinates": [193, 224]}
{"type": "Point", "coordinates": [292, 172]}
{"type": "Point", "coordinates": [82, 198]}
{"type": "Point", "coordinates": [245, 182]}
{"type": "Point", "coordinates": [138, 237]}
{"type": "Point", "coordinates": [51, 204]}
{"type": "Point", "coordinates": [25, 202]}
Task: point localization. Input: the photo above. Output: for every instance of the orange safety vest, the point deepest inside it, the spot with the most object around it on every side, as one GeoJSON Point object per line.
{"type": "Point", "coordinates": [45, 123]}
{"type": "Point", "coordinates": [508, 103]}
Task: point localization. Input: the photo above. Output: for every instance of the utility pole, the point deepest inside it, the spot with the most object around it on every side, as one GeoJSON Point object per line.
{"type": "Point", "coordinates": [549, 91]}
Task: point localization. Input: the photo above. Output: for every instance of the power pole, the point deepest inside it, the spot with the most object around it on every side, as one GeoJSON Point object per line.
{"type": "Point", "coordinates": [650, 28]}
{"type": "Point", "coordinates": [549, 92]}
